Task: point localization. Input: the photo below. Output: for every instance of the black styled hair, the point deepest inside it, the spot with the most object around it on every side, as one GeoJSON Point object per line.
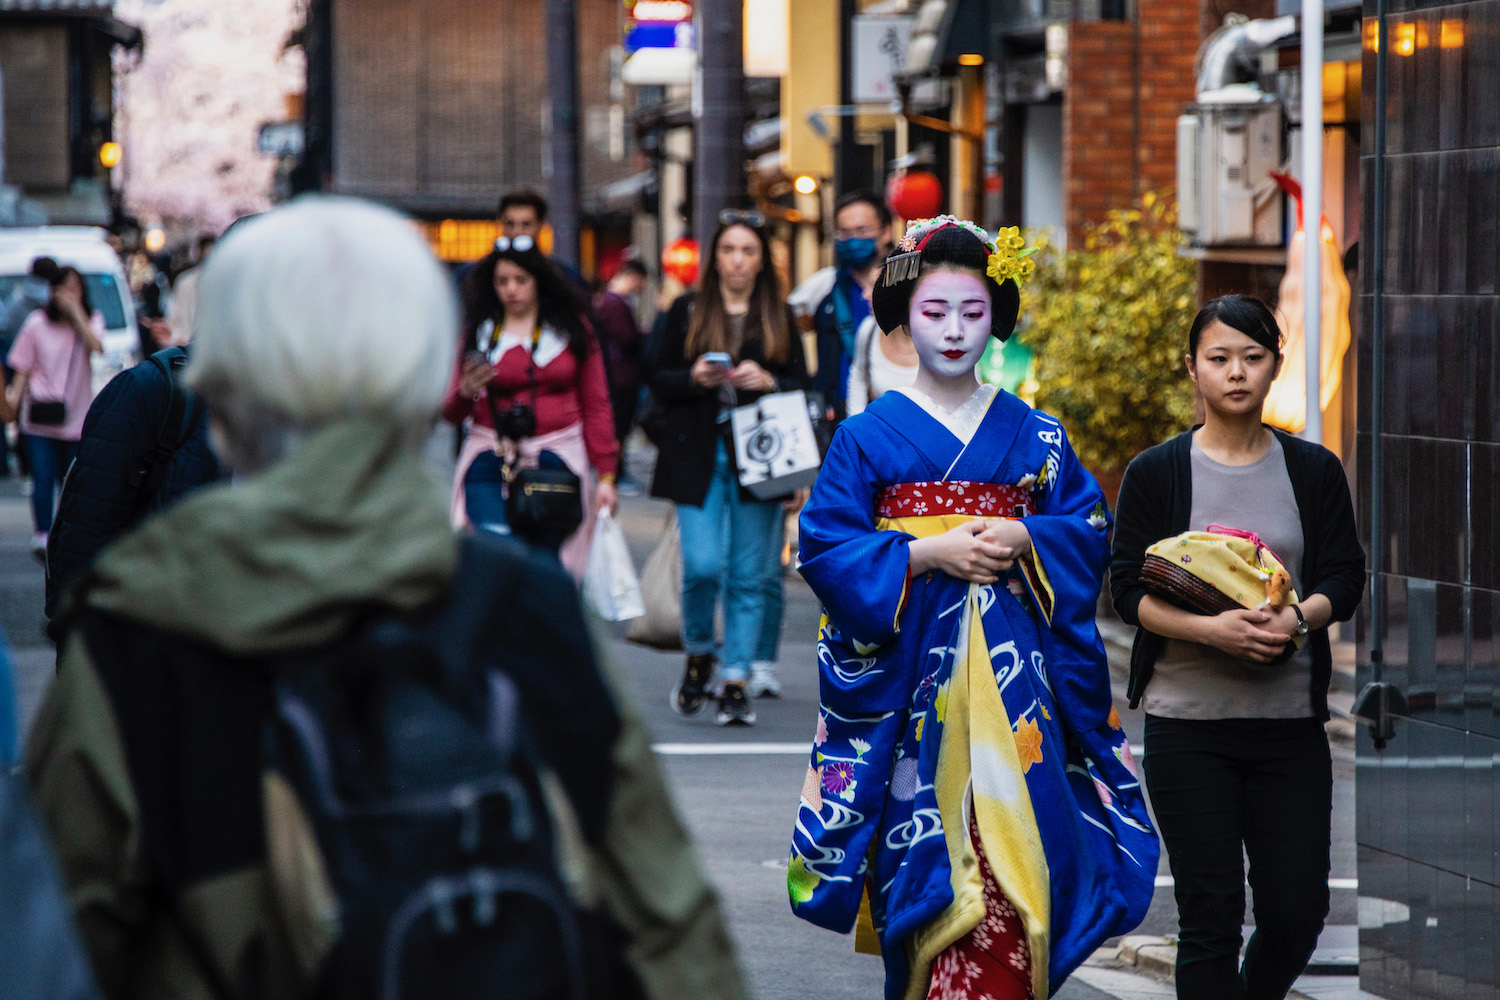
{"type": "Point", "coordinates": [633, 266]}
{"type": "Point", "coordinates": [1244, 313]}
{"type": "Point", "coordinates": [558, 301]}
{"type": "Point", "coordinates": [882, 211]}
{"type": "Point", "coordinates": [523, 197]}
{"type": "Point", "coordinates": [43, 268]}
{"type": "Point", "coordinates": [950, 247]}
{"type": "Point", "coordinates": [55, 282]}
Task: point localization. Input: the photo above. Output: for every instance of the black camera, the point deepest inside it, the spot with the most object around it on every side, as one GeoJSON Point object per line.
{"type": "Point", "coordinates": [515, 422]}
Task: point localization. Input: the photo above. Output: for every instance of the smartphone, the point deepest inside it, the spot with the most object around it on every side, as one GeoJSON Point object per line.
{"type": "Point", "coordinates": [718, 358]}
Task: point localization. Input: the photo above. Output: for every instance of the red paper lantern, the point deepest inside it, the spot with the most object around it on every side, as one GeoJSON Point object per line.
{"type": "Point", "coordinates": [679, 260]}
{"type": "Point", "coordinates": [916, 194]}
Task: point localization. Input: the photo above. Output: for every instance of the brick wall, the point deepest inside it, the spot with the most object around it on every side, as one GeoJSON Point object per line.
{"type": "Point", "coordinates": [1098, 123]}
{"type": "Point", "coordinates": [1127, 84]}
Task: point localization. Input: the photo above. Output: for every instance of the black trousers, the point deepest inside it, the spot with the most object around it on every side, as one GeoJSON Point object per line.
{"type": "Point", "coordinates": [1263, 787]}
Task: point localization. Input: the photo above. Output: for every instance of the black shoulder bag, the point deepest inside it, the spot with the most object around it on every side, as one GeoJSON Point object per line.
{"type": "Point", "coordinates": [53, 412]}
{"type": "Point", "coordinates": [544, 505]}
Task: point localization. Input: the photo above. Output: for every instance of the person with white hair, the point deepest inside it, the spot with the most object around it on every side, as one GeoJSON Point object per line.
{"type": "Point", "coordinates": [324, 341]}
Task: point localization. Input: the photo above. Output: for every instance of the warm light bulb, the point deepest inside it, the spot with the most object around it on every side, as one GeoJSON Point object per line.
{"type": "Point", "coordinates": [155, 239]}
{"type": "Point", "coordinates": [971, 59]}
{"type": "Point", "coordinates": [806, 184]}
{"type": "Point", "coordinates": [110, 153]}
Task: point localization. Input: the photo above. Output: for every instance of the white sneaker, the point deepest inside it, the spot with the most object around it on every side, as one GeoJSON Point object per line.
{"type": "Point", "coordinates": [763, 681]}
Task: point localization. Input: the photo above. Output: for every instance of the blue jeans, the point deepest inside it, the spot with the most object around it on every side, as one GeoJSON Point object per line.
{"type": "Point", "coordinates": [728, 544]}
{"type": "Point", "coordinates": [484, 494]}
{"type": "Point", "coordinates": [768, 646]}
{"type": "Point", "coordinates": [50, 459]}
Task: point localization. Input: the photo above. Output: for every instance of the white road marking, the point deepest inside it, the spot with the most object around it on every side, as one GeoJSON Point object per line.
{"type": "Point", "coordinates": [1164, 881]}
{"type": "Point", "coordinates": [731, 749]}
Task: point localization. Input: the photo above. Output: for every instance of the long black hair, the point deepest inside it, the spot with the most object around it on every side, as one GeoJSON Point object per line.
{"type": "Point", "coordinates": [948, 247]}
{"type": "Point", "coordinates": [55, 282]}
{"type": "Point", "coordinates": [559, 304]}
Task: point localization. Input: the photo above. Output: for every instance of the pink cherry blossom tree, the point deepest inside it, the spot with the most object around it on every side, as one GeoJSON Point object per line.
{"type": "Point", "coordinates": [191, 104]}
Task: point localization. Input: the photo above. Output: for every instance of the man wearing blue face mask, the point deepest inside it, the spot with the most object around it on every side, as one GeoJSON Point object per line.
{"type": "Point", "coordinates": [835, 301]}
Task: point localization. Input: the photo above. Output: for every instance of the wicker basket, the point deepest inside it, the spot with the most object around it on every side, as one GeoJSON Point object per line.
{"type": "Point", "coordinates": [1171, 582]}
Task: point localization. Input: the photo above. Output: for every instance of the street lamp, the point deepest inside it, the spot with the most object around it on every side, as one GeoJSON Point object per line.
{"type": "Point", "coordinates": [805, 184]}
{"type": "Point", "coordinates": [110, 154]}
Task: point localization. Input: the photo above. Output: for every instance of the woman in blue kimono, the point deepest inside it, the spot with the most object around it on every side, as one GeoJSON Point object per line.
{"type": "Point", "coordinates": [969, 783]}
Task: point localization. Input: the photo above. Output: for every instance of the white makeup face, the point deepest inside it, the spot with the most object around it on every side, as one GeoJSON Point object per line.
{"type": "Point", "coordinates": [950, 322]}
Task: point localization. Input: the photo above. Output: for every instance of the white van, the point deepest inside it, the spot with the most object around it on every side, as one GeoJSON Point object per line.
{"type": "Point", "coordinates": [82, 247]}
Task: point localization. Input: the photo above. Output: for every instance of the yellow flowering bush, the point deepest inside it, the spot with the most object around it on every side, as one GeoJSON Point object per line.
{"type": "Point", "coordinates": [1108, 325]}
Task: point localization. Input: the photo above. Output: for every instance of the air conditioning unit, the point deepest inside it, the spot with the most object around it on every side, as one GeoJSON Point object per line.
{"type": "Point", "coordinates": [1227, 145]}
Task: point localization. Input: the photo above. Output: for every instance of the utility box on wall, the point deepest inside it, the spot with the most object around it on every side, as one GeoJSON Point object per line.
{"type": "Point", "coordinates": [1227, 145]}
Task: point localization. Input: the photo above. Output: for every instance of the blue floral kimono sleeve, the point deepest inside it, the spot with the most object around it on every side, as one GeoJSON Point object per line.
{"type": "Point", "coordinates": [861, 575]}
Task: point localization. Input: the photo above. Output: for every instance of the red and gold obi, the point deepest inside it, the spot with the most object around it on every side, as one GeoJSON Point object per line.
{"type": "Point", "coordinates": [968, 500]}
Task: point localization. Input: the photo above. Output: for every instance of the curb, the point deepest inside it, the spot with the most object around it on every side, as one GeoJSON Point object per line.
{"type": "Point", "coordinates": [1153, 955]}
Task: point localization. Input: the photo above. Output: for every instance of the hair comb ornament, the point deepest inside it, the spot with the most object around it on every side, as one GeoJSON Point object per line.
{"type": "Point", "coordinates": [902, 266]}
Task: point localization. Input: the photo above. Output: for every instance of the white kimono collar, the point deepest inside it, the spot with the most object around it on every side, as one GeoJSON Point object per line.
{"type": "Point", "coordinates": [962, 422]}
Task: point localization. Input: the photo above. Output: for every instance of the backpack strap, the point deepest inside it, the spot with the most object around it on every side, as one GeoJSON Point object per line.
{"type": "Point", "coordinates": [183, 410]}
{"type": "Point", "coordinates": [487, 573]}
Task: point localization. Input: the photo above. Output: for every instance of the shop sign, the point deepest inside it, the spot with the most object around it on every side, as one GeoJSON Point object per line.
{"type": "Point", "coordinates": [878, 43]}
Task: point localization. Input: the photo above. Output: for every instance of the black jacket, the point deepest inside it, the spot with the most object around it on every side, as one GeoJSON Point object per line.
{"type": "Point", "coordinates": [99, 503]}
{"type": "Point", "coordinates": [1156, 501]}
{"type": "Point", "coordinates": [684, 416]}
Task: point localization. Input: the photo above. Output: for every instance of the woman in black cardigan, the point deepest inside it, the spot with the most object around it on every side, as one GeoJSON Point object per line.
{"type": "Point", "coordinates": [1236, 756]}
{"type": "Point", "coordinates": [725, 347]}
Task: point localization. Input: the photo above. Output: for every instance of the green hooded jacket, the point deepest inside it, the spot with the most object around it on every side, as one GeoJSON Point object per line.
{"type": "Point", "coordinates": [291, 559]}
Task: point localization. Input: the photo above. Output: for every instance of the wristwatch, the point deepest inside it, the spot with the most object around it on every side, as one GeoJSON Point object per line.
{"type": "Point", "coordinates": [1302, 626]}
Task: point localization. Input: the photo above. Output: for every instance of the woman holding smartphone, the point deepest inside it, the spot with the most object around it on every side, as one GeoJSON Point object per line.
{"type": "Point", "coordinates": [722, 347]}
{"type": "Point", "coordinates": [530, 386]}
{"type": "Point", "coordinates": [52, 388]}
{"type": "Point", "coordinates": [1237, 761]}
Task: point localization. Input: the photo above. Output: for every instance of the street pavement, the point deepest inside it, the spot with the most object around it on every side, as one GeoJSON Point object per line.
{"type": "Point", "coordinates": [737, 792]}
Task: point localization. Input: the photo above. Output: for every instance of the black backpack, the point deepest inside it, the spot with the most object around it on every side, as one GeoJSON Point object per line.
{"type": "Point", "coordinates": [409, 841]}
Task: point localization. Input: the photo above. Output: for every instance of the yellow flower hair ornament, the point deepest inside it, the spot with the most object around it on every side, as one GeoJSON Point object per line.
{"type": "Point", "coordinates": [1008, 260]}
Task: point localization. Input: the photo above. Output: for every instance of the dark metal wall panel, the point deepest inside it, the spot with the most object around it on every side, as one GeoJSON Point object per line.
{"type": "Point", "coordinates": [1428, 810]}
{"type": "Point", "coordinates": [35, 63]}
{"type": "Point", "coordinates": [440, 105]}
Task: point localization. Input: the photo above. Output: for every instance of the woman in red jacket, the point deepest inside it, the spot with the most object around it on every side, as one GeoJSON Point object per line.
{"type": "Point", "coordinates": [530, 361]}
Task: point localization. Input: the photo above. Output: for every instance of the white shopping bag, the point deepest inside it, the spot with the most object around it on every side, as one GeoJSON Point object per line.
{"type": "Point", "coordinates": [775, 449]}
{"type": "Point", "coordinates": [609, 582]}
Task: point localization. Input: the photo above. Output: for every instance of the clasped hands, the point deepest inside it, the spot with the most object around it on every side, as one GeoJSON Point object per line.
{"type": "Point", "coordinates": [977, 551]}
{"type": "Point", "coordinates": [1258, 635]}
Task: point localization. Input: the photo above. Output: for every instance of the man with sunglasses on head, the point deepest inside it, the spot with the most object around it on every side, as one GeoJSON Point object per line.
{"type": "Point", "coordinates": [834, 301]}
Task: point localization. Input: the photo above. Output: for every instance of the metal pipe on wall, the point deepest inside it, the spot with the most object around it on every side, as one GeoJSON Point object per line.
{"type": "Point", "coordinates": [1377, 226]}
{"type": "Point", "coordinates": [1312, 211]}
{"type": "Point", "coordinates": [562, 95]}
